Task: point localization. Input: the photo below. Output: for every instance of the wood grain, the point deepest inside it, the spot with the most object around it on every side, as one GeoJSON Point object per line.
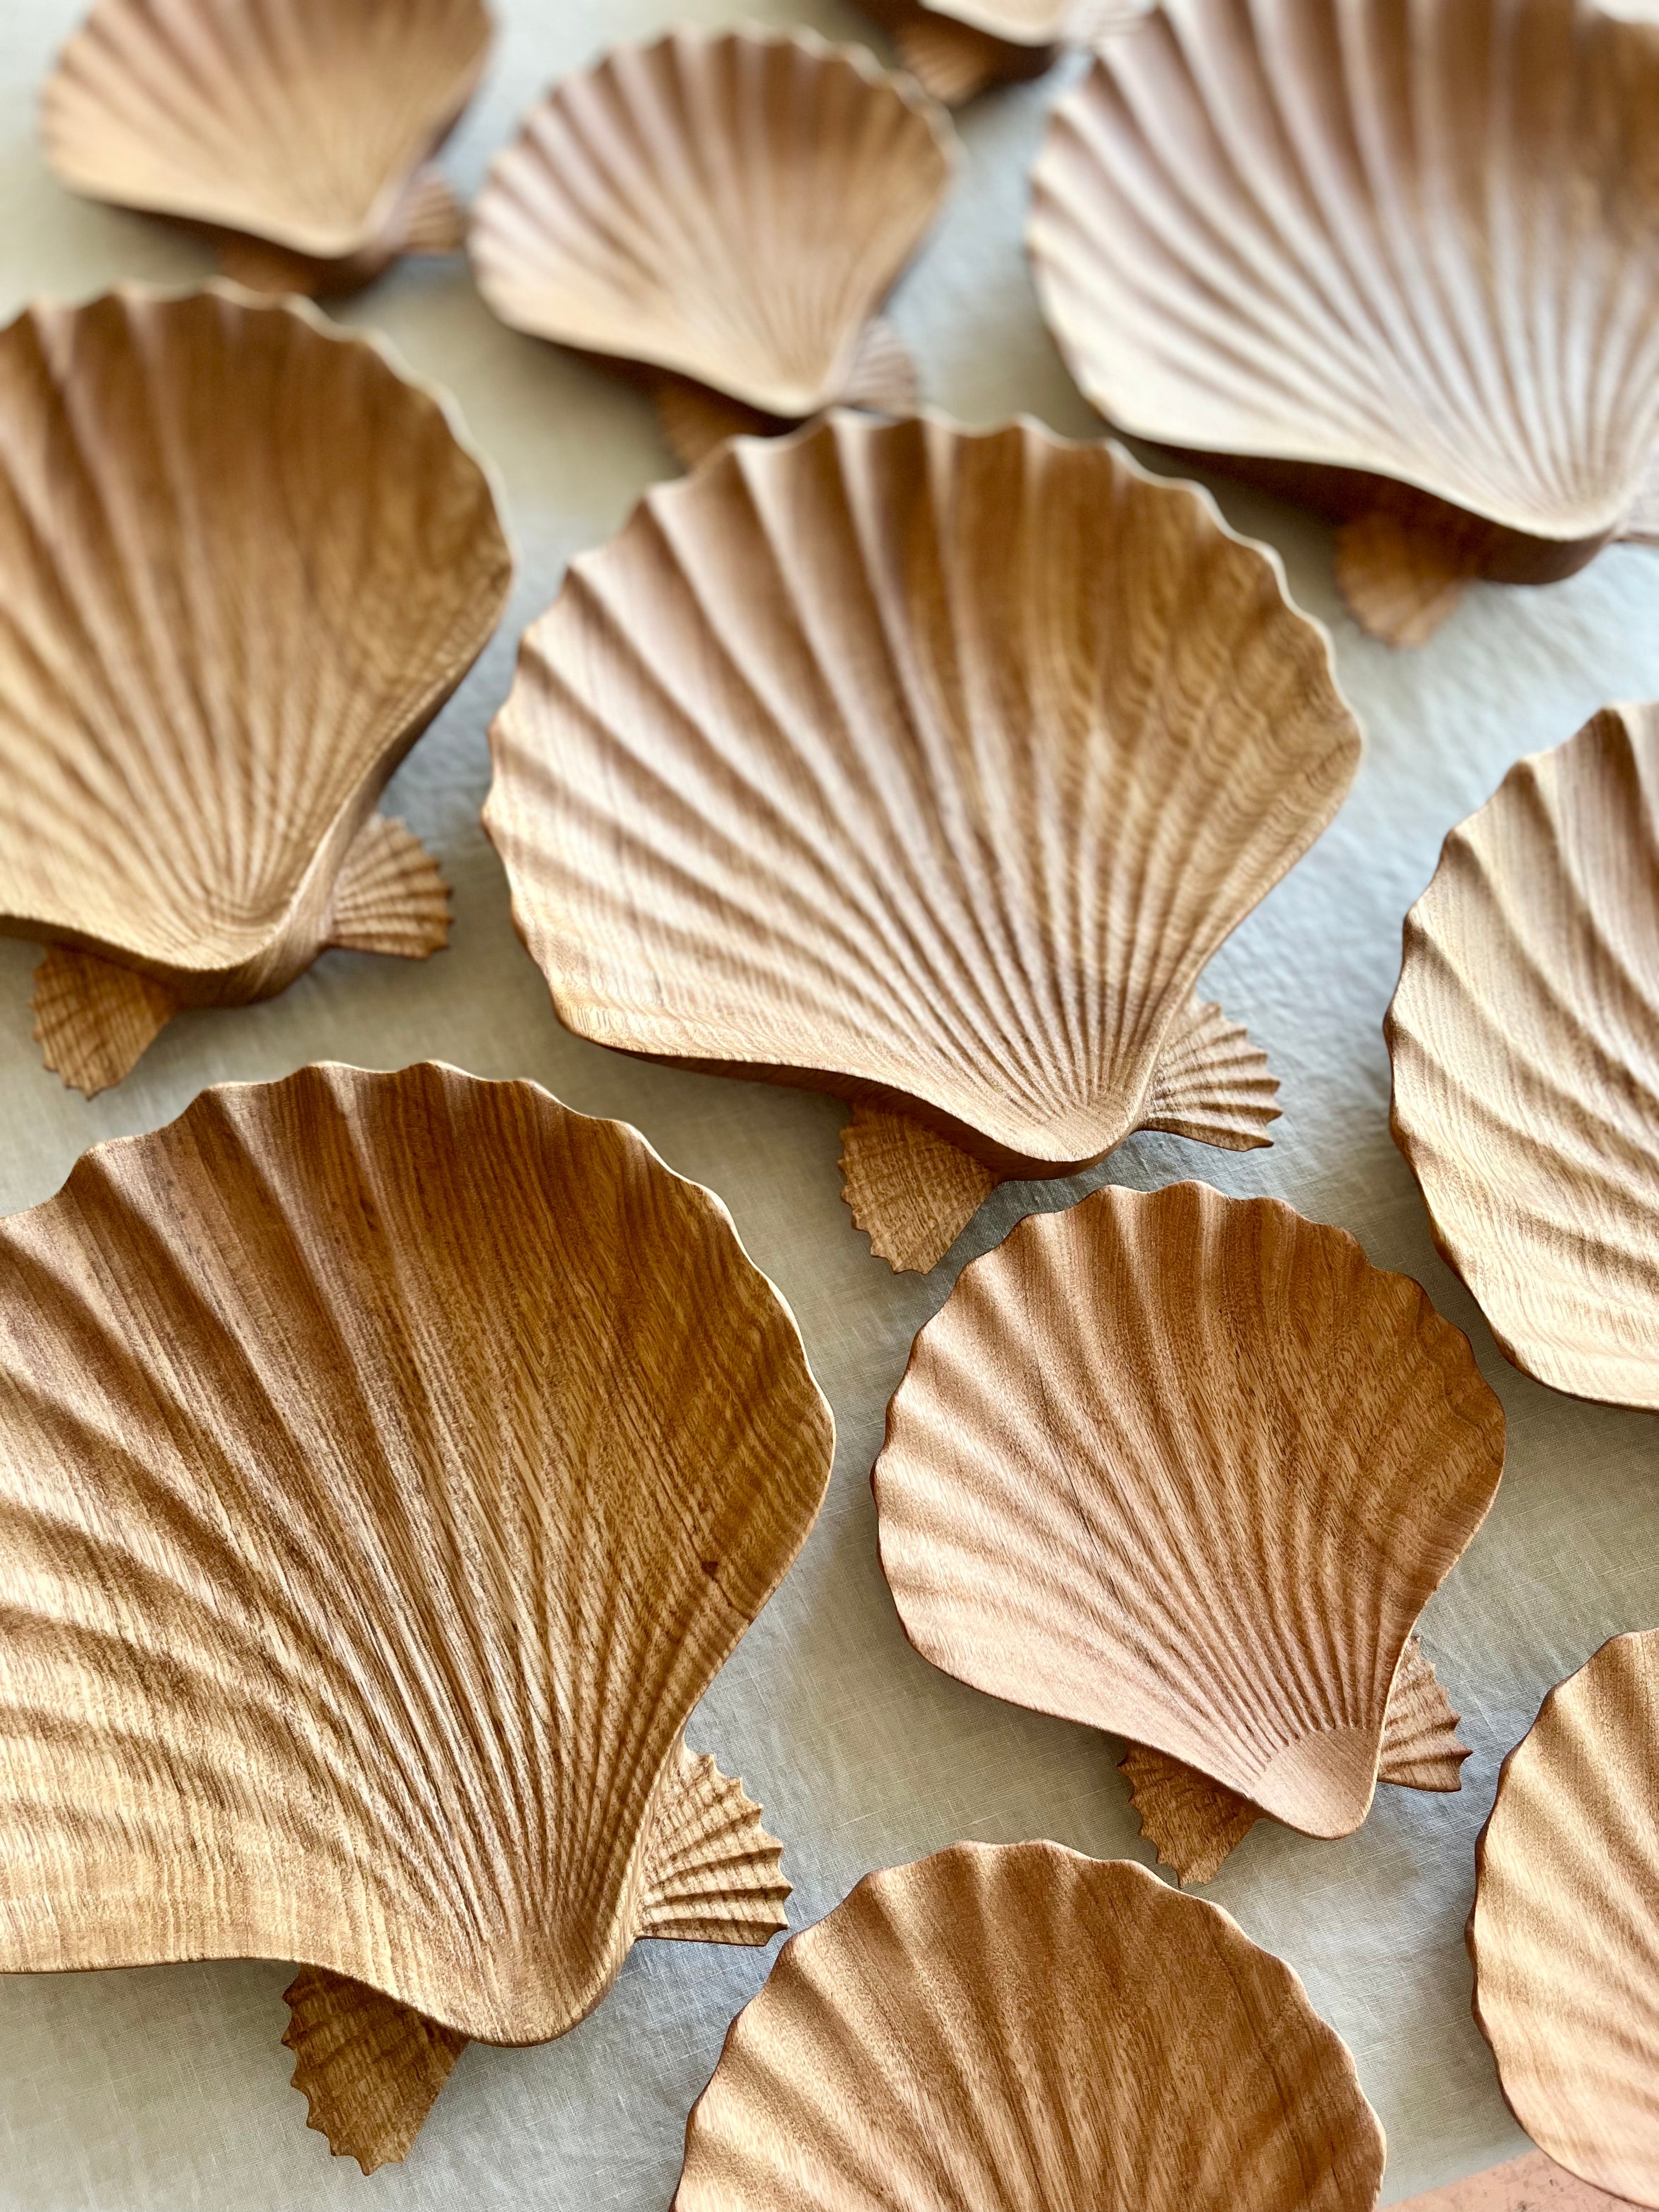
{"type": "Point", "coordinates": [1376, 257]}
{"type": "Point", "coordinates": [1018, 2028]}
{"type": "Point", "coordinates": [1187, 1469]}
{"type": "Point", "coordinates": [247, 560]}
{"type": "Point", "coordinates": [1533, 2184]}
{"type": "Point", "coordinates": [928, 766]}
{"type": "Point", "coordinates": [1564, 1933]}
{"type": "Point", "coordinates": [1525, 1046]}
{"type": "Point", "coordinates": [297, 132]}
{"type": "Point", "coordinates": [387, 1465]}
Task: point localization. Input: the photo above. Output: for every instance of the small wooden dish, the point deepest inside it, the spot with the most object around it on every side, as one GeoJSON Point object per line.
{"type": "Point", "coordinates": [956, 48]}
{"type": "Point", "coordinates": [1564, 1933]}
{"type": "Point", "coordinates": [298, 133]}
{"type": "Point", "coordinates": [1187, 1468]}
{"type": "Point", "coordinates": [727, 212]}
{"type": "Point", "coordinates": [1524, 1036]}
{"type": "Point", "coordinates": [1399, 262]}
{"type": "Point", "coordinates": [247, 560]}
{"type": "Point", "coordinates": [1016, 2025]}
{"type": "Point", "coordinates": [388, 1464]}
{"type": "Point", "coordinates": [929, 766]}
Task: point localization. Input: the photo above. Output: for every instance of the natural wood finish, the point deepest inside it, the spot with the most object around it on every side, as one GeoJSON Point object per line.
{"type": "Point", "coordinates": [928, 766]}
{"type": "Point", "coordinates": [1018, 2028]}
{"type": "Point", "coordinates": [1524, 1036]}
{"type": "Point", "coordinates": [1187, 1468]}
{"type": "Point", "coordinates": [387, 1464]}
{"type": "Point", "coordinates": [297, 132]}
{"type": "Point", "coordinates": [1393, 259]}
{"type": "Point", "coordinates": [728, 209]}
{"type": "Point", "coordinates": [694, 420]}
{"type": "Point", "coordinates": [1564, 1933]}
{"type": "Point", "coordinates": [247, 560]}
{"type": "Point", "coordinates": [956, 49]}
{"type": "Point", "coordinates": [1533, 2184]}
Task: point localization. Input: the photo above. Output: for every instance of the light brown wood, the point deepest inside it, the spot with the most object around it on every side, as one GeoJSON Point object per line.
{"type": "Point", "coordinates": [956, 49]}
{"type": "Point", "coordinates": [1524, 1036]}
{"type": "Point", "coordinates": [728, 210]}
{"type": "Point", "coordinates": [297, 132]}
{"type": "Point", "coordinates": [1376, 256]}
{"type": "Point", "coordinates": [247, 560]}
{"type": "Point", "coordinates": [1564, 1933]}
{"type": "Point", "coordinates": [928, 766]}
{"type": "Point", "coordinates": [1533, 2184]}
{"type": "Point", "coordinates": [388, 1464]}
{"type": "Point", "coordinates": [1018, 2028]}
{"type": "Point", "coordinates": [1187, 1468]}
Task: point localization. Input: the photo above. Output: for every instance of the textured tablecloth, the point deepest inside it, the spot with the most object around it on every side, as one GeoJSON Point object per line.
{"type": "Point", "coordinates": [169, 2086]}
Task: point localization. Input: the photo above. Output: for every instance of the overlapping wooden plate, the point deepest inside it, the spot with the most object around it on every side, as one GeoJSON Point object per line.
{"type": "Point", "coordinates": [727, 212]}
{"type": "Point", "coordinates": [298, 133]}
{"type": "Point", "coordinates": [929, 766]}
{"type": "Point", "coordinates": [247, 560]}
{"type": "Point", "coordinates": [1525, 1041]}
{"type": "Point", "coordinates": [1564, 1933]}
{"type": "Point", "coordinates": [1402, 262]}
{"type": "Point", "coordinates": [1188, 1467]}
{"type": "Point", "coordinates": [955, 48]}
{"type": "Point", "coordinates": [997, 2029]}
{"type": "Point", "coordinates": [387, 1465]}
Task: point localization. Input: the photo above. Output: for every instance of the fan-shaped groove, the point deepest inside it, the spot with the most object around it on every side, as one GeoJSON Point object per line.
{"type": "Point", "coordinates": [389, 897]}
{"type": "Point", "coordinates": [370, 2068]}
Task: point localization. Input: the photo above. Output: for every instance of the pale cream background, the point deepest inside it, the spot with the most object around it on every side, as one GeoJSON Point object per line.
{"type": "Point", "coordinates": [169, 2087]}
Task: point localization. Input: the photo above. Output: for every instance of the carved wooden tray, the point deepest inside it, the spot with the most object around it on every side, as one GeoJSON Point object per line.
{"type": "Point", "coordinates": [1525, 1041]}
{"type": "Point", "coordinates": [1564, 1933]}
{"type": "Point", "coordinates": [1533, 2184]}
{"type": "Point", "coordinates": [247, 561]}
{"type": "Point", "coordinates": [298, 133]}
{"type": "Point", "coordinates": [388, 1464]}
{"type": "Point", "coordinates": [728, 211]}
{"type": "Point", "coordinates": [1188, 1467]}
{"type": "Point", "coordinates": [957, 47]}
{"type": "Point", "coordinates": [928, 766]}
{"type": "Point", "coordinates": [1009, 2026]}
{"type": "Point", "coordinates": [1396, 261]}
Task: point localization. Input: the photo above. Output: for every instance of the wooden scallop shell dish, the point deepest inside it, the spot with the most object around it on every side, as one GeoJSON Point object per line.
{"type": "Point", "coordinates": [298, 133]}
{"type": "Point", "coordinates": [1016, 2028]}
{"type": "Point", "coordinates": [1187, 1468]}
{"type": "Point", "coordinates": [247, 561]}
{"type": "Point", "coordinates": [1400, 261]}
{"type": "Point", "coordinates": [388, 1464]}
{"type": "Point", "coordinates": [1564, 1934]}
{"type": "Point", "coordinates": [957, 47]}
{"type": "Point", "coordinates": [1524, 1036]}
{"type": "Point", "coordinates": [929, 766]}
{"type": "Point", "coordinates": [727, 211]}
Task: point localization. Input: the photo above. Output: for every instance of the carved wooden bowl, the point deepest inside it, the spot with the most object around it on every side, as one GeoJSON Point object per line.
{"type": "Point", "coordinates": [1525, 1041]}
{"type": "Point", "coordinates": [955, 48]}
{"type": "Point", "coordinates": [1187, 1468]}
{"type": "Point", "coordinates": [929, 766]}
{"type": "Point", "coordinates": [1021, 2029]}
{"type": "Point", "coordinates": [299, 133]}
{"type": "Point", "coordinates": [1399, 261]}
{"type": "Point", "coordinates": [388, 1464]}
{"type": "Point", "coordinates": [247, 560]}
{"type": "Point", "coordinates": [1564, 1934]}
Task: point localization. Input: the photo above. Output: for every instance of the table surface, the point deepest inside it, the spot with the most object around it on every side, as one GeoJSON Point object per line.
{"type": "Point", "coordinates": [168, 2087]}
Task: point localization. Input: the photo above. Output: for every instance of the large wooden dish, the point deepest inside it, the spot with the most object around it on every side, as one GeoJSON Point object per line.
{"type": "Point", "coordinates": [928, 766]}
{"type": "Point", "coordinates": [1564, 1933]}
{"type": "Point", "coordinates": [728, 211]}
{"type": "Point", "coordinates": [298, 132]}
{"type": "Point", "coordinates": [387, 1464]}
{"type": "Point", "coordinates": [1188, 1467]}
{"type": "Point", "coordinates": [1524, 1036]}
{"type": "Point", "coordinates": [1021, 2029]}
{"type": "Point", "coordinates": [955, 48]}
{"type": "Point", "coordinates": [247, 561]}
{"type": "Point", "coordinates": [1402, 262]}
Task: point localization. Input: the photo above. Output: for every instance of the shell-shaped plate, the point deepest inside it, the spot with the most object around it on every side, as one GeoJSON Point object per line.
{"type": "Point", "coordinates": [387, 1464]}
{"type": "Point", "coordinates": [1188, 1467]}
{"type": "Point", "coordinates": [1564, 1933]}
{"type": "Point", "coordinates": [1524, 1036]}
{"type": "Point", "coordinates": [731, 208]}
{"type": "Point", "coordinates": [956, 48]}
{"type": "Point", "coordinates": [304, 122]}
{"type": "Point", "coordinates": [1418, 243]}
{"type": "Point", "coordinates": [1018, 2028]}
{"type": "Point", "coordinates": [929, 766]}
